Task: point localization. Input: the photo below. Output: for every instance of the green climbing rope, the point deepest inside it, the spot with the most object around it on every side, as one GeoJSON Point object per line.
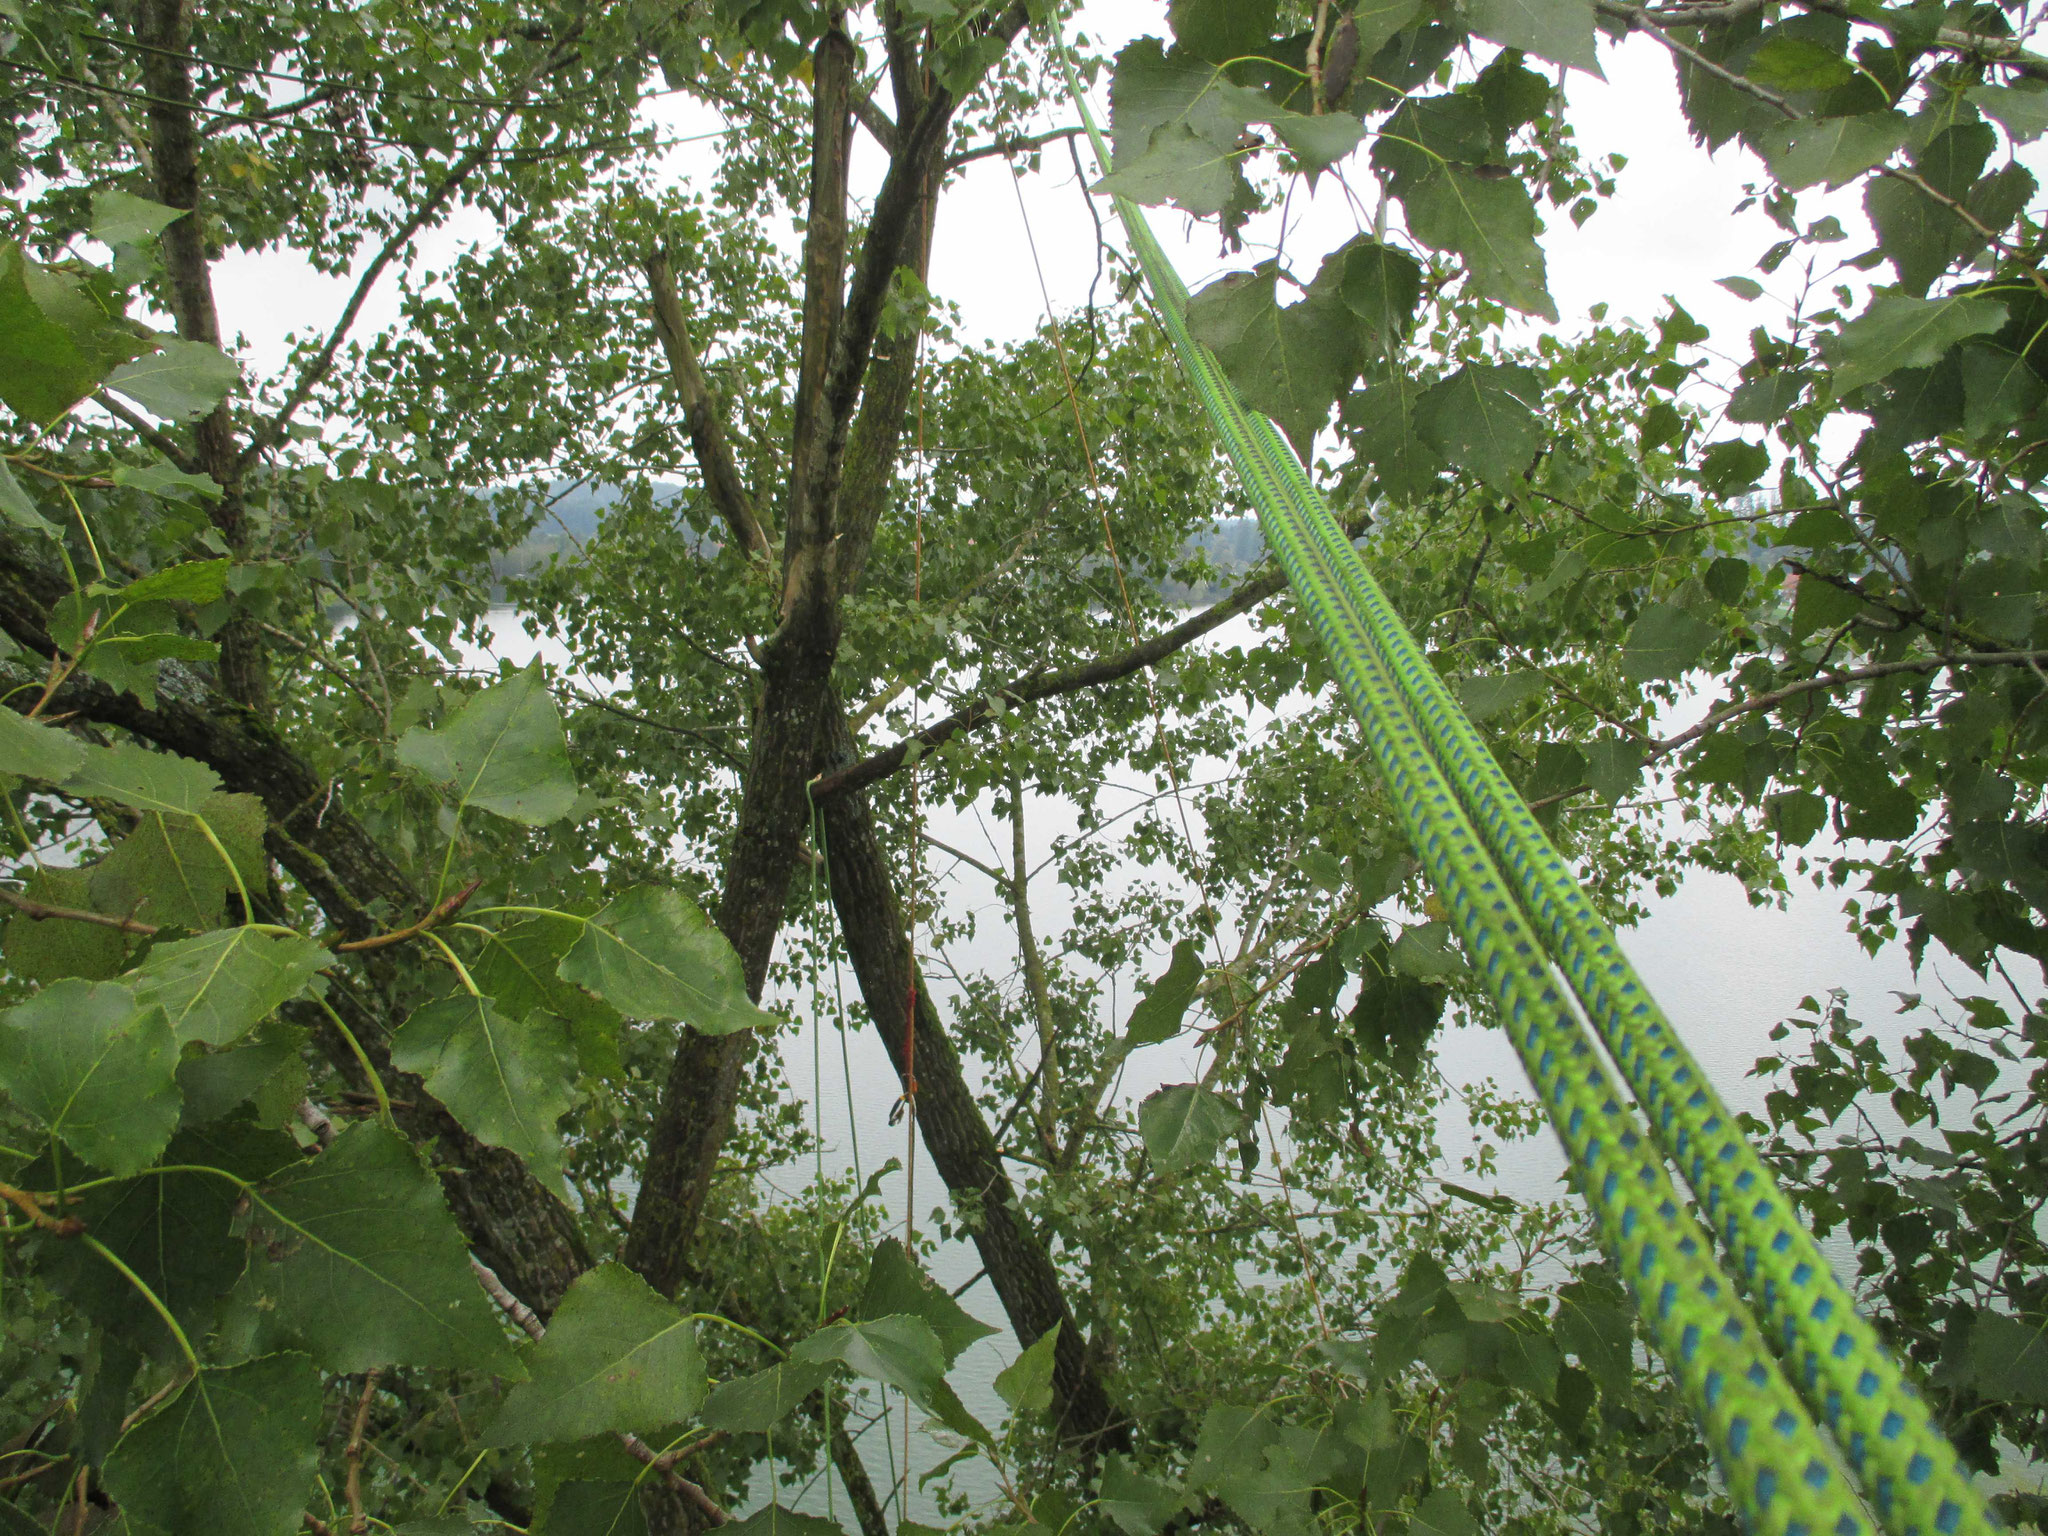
{"type": "Point", "coordinates": [1517, 909]}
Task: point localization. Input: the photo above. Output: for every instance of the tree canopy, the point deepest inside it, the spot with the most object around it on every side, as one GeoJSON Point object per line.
{"type": "Point", "coordinates": [391, 1048]}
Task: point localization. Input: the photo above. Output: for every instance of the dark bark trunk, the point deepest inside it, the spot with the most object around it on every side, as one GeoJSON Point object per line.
{"type": "Point", "coordinates": [954, 1132]}
{"type": "Point", "coordinates": [163, 28]}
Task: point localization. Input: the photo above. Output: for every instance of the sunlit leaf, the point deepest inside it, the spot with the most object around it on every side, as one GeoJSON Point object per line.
{"type": "Point", "coordinates": [179, 381]}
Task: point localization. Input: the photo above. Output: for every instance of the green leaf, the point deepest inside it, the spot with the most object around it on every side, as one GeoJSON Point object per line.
{"type": "Point", "coordinates": [1899, 331]}
{"type": "Point", "coordinates": [1614, 766]}
{"type": "Point", "coordinates": [1183, 1125]}
{"type": "Point", "coordinates": [1378, 284]}
{"type": "Point", "coordinates": [1290, 363]}
{"type": "Point", "coordinates": [175, 1230]}
{"type": "Point", "coordinates": [1745, 288]}
{"type": "Point", "coordinates": [167, 481]}
{"type": "Point", "coordinates": [652, 954]}
{"type": "Point", "coordinates": [219, 986]}
{"type": "Point", "coordinates": [1665, 641]}
{"type": "Point", "coordinates": [1387, 434]}
{"type": "Point", "coordinates": [616, 1356]}
{"type": "Point", "coordinates": [2021, 110]}
{"type": "Point", "coordinates": [60, 334]}
{"type": "Point", "coordinates": [1026, 1382]}
{"type": "Point", "coordinates": [1491, 222]}
{"type": "Point", "coordinates": [1484, 420]}
{"type": "Point", "coordinates": [1424, 951]}
{"type": "Point", "coordinates": [18, 507]}
{"type": "Point", "coordinates": [95, 1069]}
{"type": "Point", "coordinates": [1222, 30]}
{"type": "Point", "coordinates": [1732, 465]}
{"type": "Point", "coordinates": [167, 872]}
{"type": "Point", "coordinates": [1834, 150]}
{"type": "Point", "coordinates": [1175, 122]}
{"type": "Point", "coordinates": [144, 780]}
{"type": "Point", "coordinates": [507, 1081]}
{"type": "Point", "coordinates": [232, 1453]}
{"type": "Point", "coordinates": [503, 751]}
{"type": "Point", "coordinates": [517, 970]}
{"type": "Point", "coordinates": [195, 581]}
{"type": "Point", "coordinates": [1318, 142]}
{"type": "Point", "coordinates": [122, 218]}
{"type": "Point", "coordinates": [355, 1253]}
{"type": "Point", "coordinates": [180, 381]}
{"type": "Point", "coordinates": [774, 1520]}
{"type": "Point", "coordinates": [1485, 697]}
{"type": "Point", "coordinates": [269, 1070]}
{"type": "Point", "coordinates": [32, 750]}
{"type": "Point", "coordinates": [1764, 401]}
{"type": "Point", "coordinates": [53, 949]}
{"type": "Point", "coordinates": [587, 1507]}
{"type": "Point", "coordinates": [1788, 62]}
{"type": "Point", "coordinates": [1166, 1001]}
{"type": "Point", "coordinates": [1999, 388]}
{"type": "Point", "coordinates": [1139, 1505]}
{"type": "Point", "coordinates": [901, 1352]}
{"type": "Point", "coordinates": [757, 1403]}
{"type": "Point", "coordinates": [896, 1286]}
{"type": "Point", "coordinates": [1442, 1513]}
{"type": "Point", "coordinates": [1558, 30]}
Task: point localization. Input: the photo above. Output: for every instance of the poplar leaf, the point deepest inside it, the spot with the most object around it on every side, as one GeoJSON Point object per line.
{"type": "Point", "coordinates": [94, 1068]}
{"type": "Point", "coordinates": [1026, 1382]}
{"type": "Point", "coordinates": [774, 1520]}
{"type": "Point", "coordinates": [1140, 1505]}
{"type": "Point", "coordinates": [219, 986]}
{"type": "Point", "coordinates": [507, 1080]}
{"type": "Point", "coordinates": [757, 1403]}
{"type": "Point", "coordinates": [1899, 331]}
{"type": "Point", "coordinates": [503, 751]}
{"type": "Point", "coordinates": [180, 381]}
{"type": "Point", "coordinates": [60, 334]}
{"type": "Point", "coordinates": [1167, 999]}
{"type": "Point", "coordinates": [356, 1253]}
{"type": "Point", "coordinates": [232, 1453]}
{"type": "Point", "coordinates": [122, 218]}
{"type": "Point", "coordinates": [1492, 224]}
{"type": "Point", "coordinates": [1666, 641]}
{"type": "Point", "coordinates": [652, 954]}
{"type": "Point", "coordinates": [1834, 150]}
{"type": "Point", "coordinates": [1483, 419]}
{"type": "Point", "coordinates": [897, 1286]}
{"type": "Point", "coordinates": [32, 750]}
{"type": "Point", "coordinates": [144, 780]}
{"type": "Point", "coordinates": [1183, 1124]}
{"type": "Point", "coordinates": [18, 507]}
{"type": "Point", "coordinates": [616, 1356]}
{"type": "Point", "coordinates": [1558, 30]}
{"type": "Point", "coordinates": [901, 1352]}
{"type": "Point", "coordinates": [1289, 362]}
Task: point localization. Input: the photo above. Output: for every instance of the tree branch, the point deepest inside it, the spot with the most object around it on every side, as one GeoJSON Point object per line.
{"type": "Point", "coordinates": [1034, 686]}
{"type": "Point", "coordinates": [41, 912]}
{"type": "Point", "coordinates": [1014, 144]}
{"type": "Point", "coordinates": [722, 482]}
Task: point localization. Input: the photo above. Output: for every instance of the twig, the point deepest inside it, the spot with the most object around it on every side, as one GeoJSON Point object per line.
{"type": "Point", "coordinates": [314, 1119]}
{"type": "Point", "coordinates": [433, 919]}
{"type": "Point", "coordinates": [41, 912]}
{"type": "Point", "coordinates": [358, 1522]}
{"type": "Point", "coordinates": [32, 1207]}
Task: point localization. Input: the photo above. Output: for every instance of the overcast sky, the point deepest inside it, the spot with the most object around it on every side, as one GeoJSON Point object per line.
{"type": "Point", "coordinates": [1670, 230]}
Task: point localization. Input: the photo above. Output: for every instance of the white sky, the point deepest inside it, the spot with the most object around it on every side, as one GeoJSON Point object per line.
{"type": "Point", "coordinates": [1670, 229]}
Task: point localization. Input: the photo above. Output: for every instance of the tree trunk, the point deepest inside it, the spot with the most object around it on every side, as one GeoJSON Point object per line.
{"type": "Point", "coordinates": [956, 1135]}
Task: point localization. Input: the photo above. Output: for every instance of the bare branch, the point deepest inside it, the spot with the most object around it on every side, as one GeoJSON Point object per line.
{"type": "Point", "coordinates": [1015, 144]}
{"type": "Point", "coordinates": [40, 912]}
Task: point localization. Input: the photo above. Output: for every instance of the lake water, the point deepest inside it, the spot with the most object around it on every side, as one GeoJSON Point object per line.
{"type": "Point", "coordinates": [1725, 971]}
